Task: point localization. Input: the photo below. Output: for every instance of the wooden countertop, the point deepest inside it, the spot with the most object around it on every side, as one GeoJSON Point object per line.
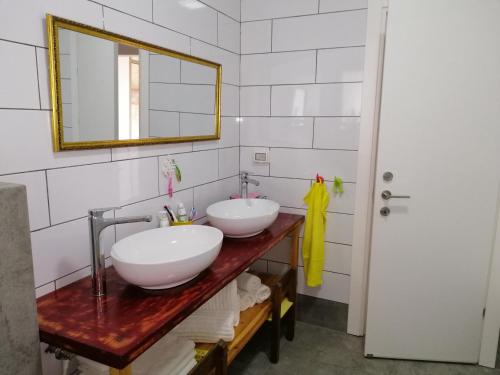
{"type": "Point", "coordinates": [116, 328]}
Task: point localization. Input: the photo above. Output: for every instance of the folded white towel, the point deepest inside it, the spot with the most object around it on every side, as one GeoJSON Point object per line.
{"type": "Point", "coordinates": [188, 368]}
{"type": "Point", "coordinates": [226, 300]}
{"type": "Point", "coordinates": [263, 293]}
{"type": "Point", "coordinates": [248, 282]}
{"type": "Point", "coordinates": [247, 300]}
{"type": "Point", "coordinates": [167, 352]}
{"type": "Point", "coordinates": [207, 327]}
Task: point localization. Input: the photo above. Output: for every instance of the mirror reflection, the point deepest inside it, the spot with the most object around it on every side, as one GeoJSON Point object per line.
{"type": "Point", "coordinates": [114, 91]}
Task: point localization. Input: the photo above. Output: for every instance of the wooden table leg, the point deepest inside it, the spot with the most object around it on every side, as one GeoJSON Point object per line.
{"type": "Point", "coordinates": [126, 371]}
{"type": "Point", "coordinates": [276, 323]}
{"type": "Point", "coordinates": [292, 292]}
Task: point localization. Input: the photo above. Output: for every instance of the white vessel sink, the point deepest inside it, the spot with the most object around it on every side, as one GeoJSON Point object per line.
{"type": "Point", "coordinates": [240, 218]}
{"type": "Point", "coordinates": [166, 257]}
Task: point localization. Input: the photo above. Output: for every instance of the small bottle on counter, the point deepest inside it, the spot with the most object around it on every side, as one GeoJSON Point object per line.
{"type": "Point", "coordinates": [164, 219]}
{"type": "Point", "coordinates": [181, 212]}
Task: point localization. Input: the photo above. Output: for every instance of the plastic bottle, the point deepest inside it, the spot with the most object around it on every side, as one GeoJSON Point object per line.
{"type": "Point", "coordinates": [181, 212]}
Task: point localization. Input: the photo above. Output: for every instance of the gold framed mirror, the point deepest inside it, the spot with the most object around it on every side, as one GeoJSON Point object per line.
{"type": "Point", "coordinates": [108, 90]}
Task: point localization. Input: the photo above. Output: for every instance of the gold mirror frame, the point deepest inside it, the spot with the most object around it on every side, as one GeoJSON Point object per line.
{"type": "Point", "coordinates": [53, 25]}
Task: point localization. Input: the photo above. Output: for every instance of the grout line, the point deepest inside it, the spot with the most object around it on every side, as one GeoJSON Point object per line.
{"type": "Point", "coordinates": [313, 126]}
{"type": "Point", "coordinates": [38, 80]}
{"type": "Point", "coordinates": [299, 148]}
{"type": "Point", "coordinates": [48, 197]}
{"type": "Point", "coordinates": [217, 36]}
{"type": "Point", "coordinates": [219, 11]}
{"type": "Point", "coordinates": [24, 109]}
{"type": "Point", "coordinates": [152, 11]}
{"type": "Point", "coordinates": [319, 5]}
{"type": "Point", "coordinates": [306, 15]}
{"type": "Point", "coordinates": [303, 50]}
{"type": "Point", "coordinates": [272, 30]}
{"type": "Point", "coordinates": [303, 84]}
{"type": "Point", "coordinates": [270, 101]}
{"type": "Point", "coordinates": [316, 69]}
{"type": "Point", "coordinates": [102, 15]}
{"type": "Point", "coordinates": [22, 43]}
{"type": "Point", "coordinates": [180, 83]}
{"type": "Point", "coordinates": [302, 116]}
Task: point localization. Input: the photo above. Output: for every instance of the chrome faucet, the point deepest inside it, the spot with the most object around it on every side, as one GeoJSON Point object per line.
{"type": "Point", "coordinates": [96, 224]}
{"type": "Point", "coordinates": [245, 180]}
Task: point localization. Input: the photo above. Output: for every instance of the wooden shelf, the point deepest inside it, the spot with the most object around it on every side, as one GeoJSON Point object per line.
{"type": "Point", "coordinates": [250, 322]}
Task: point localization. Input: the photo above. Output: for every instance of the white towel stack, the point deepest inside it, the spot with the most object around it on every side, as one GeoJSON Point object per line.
{"type": "Point", "coordinates": [215, 319]}
{"type": "Point", "coordinates": [171, 355]}
{"type": "Point", "coordinates": [251, 290]}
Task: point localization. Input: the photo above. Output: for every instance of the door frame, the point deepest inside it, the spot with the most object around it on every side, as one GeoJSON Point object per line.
{"type": "Point", "coordinates": [365, 182]}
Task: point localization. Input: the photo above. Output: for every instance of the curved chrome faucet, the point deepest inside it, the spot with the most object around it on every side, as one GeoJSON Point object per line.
{"type": "Point", "coordinates": [97, 223]}
{"type": "Point", "coordinates": [245, 180]}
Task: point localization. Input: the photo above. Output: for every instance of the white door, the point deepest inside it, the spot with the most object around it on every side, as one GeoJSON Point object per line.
{"type": "Point", "coordinates": [440, 138]}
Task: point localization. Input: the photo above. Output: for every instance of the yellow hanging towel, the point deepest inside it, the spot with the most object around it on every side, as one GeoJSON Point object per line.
{"type": "Point", "coordinates": [313, 245]}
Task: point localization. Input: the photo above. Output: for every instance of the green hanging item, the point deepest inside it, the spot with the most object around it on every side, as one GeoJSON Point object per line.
{"type": "Point", "coordinates": [338, 185]}
{"type": "Point", "coordinates": [178, 175]}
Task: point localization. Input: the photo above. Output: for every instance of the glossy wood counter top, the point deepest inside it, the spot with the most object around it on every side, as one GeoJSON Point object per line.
{"type": "Point", "coordinates": [115, 329]}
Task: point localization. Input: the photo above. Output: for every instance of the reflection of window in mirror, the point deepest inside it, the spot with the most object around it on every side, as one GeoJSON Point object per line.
{"type": "Point", "coordinates": [128, 92]}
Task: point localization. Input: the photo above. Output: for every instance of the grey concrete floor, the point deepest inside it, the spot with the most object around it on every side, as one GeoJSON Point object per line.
{"type": "Point", "coordinates": [319, 351]}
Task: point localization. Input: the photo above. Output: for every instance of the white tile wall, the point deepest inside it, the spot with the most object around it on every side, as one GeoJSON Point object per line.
{"type": "Point", "coordinates": [340, 99]}
{"type": "Point", "coordinates": [255, 101]}
{"type": "Point", "coordinates": [228, 7]}
{"type": "Point", "coordinates": [230, 136]}
{"type": "Point", "coordinates": [256, 36]}
{"type": "Point", "coordinates": [304, 163]}
{"type": "Point", "coordinates": [301, 72]}
{"type": "Point", "coordinates": [188, 17]}
{"type": "Point", "coordinates": [207, 194]}
{"type": "Point", "coordinates": [340, 65]}
{"type": "Point", "coordinates": [228, 33]}
{"type": "Point", "coordinates": [164, 69]}
{"type": "Point", "coordinates": [263, 9]}
{"type": "Point", "coordinates": [269, 131]}
{"type": "Point", "coordinates": [139, 8]}
{"type": "Point", "coordinates": [278, 68]}
{"type": "Point", "coordinates": [229, 162]}
{"type": "Point", "coordinates": [18, 74]}
{"type": "Point", "coordinates": [340, 5]}
{"type": "Point", "coordinates": [344, 29]}
{"type": "Point", "coordinates": [336, 133]}
{"type": "Point", "coordinates": [229, 60]}
{"type": "Point", "coordinates": [230, 100]}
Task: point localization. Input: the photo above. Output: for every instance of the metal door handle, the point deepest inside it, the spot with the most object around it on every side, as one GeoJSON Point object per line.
{"type": "Point", "coordinates": [386, 194]}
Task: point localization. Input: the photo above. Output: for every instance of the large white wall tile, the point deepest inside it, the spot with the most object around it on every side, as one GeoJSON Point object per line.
{"type": "Point", "coordinates": [339, 228]}
{"type": "Point", "coordinates": [207, 194]}
{"type": "Point", "coordinates": [329, 30]}
{"type": "Point", "coordinates": [340, 99]}
{"type": "Point", "coordinates": [36, 189]}
{"type": "Point", "coordinates": [188, 17]}
{"type": "Point", "coordinates": [197, 168]}
{"type": "Point", "coordinates": [228, 33]}
{"type": "Point", "coordinates": [139, 8]}
{"type": "Point", "coordinates": [194, 124]}
{"type": "Point", "coordinates": [338, 258]}
{"type": "Point", "coordinates": [164, 69]}
{"type": "Point", "coordinates": [230, 136]}
{"type": "Point", "coordinates": [303, 163]}
{"type": "Point", "coordinates": [183, 98]}
{"type": "Point", "coordinates": [341, 5]}
{"type": "Point", "coordinates": [18, 74]}
{"type": "Point", "coordinates": [122, 153]}
{"type": "Point", "coordinates": [256, 37]}
{"type": "Point", "coordinates": [229, 7]}
{"type": "Point", "coordinates": [124, 24]}
{"type": "Point", "coordinates": [278, 68]}
{"type": "Point", "coordinates": [43, 290]}
{"type": "Point", "coordinates": [343, 203]}
{"type": "Point", "coordinates": [264, 9]}
{"type": "Point", "coordinates": [229, 162]}
{"type": "Point", "coordinates": [255, 101]}
{"type": "Point", "coordinates": [73, 191]}
{"type": "Point", "coordinates": [28, 146]}
{"type": "Point", "coordinates": [248, 165]}
{"type": "Point", "coordinates": [341, 65]}
{"type": "Point", "coordinates": [150, 207]}
{"type": "Point", "coordinates": [336, 133]}
{"type": "Point", "coordinates": [24, 20]}
{"type": "Point", "coordinates": [72, 277]}
{"type": "Point", "coordinates": [286, 191]}
{"type": "Point", "coordinates": [230, 61]}
{"type": "Point", "coordinates": [335, 287]}
{"type": "Point", "coordinates": [277, 131]}
{"type": "Point", "coordinates": [64, 249]}
{"type": "Point", "coordinates": [230, 100]}
{"type": "Point", "coordinates": [197, 73]}
{"type": "Point", "coordinates": [42, 59]}
{"type": "Point", "coordinates": [164, 124]}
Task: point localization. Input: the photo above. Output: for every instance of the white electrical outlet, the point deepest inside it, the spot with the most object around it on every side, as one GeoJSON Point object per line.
{"type": "Point", "coordinates": [261, 156]}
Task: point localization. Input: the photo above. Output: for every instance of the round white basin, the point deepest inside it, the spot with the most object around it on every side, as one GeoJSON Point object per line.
{"type": "Point", "coordinates": [166, 257]}
{"type": "Point", "coordinates": [240, 218]}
